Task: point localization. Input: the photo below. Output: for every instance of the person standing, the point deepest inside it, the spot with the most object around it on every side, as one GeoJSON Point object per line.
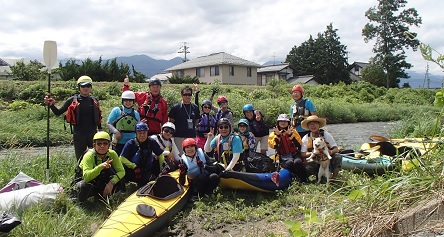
{"type": "Point", "coordinates": [300, 109]}
{"type": "Point", "coordinates": [82, 112]}
{"type": "Point", "coordinates": [100, 169]}
{"type": "Point", "coordinates": [122, 121]}
{"type": "Point", "coordinates": [153, 108]}
{"type": "Point", "coordinates": [185, 115]}
{"type": "Point", "coordinates": [257, 126]}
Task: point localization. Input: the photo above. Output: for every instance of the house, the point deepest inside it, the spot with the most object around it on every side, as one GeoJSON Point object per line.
{"type": "Point", "coordinates": [163, 77]}
{"type": "Point", "coordinates": [281, 71]}
{"type": "Point", "coordinates": [356, 69]}
{"type": "Point", "coordinates": [303, 80]}
{"type": "Point", "coordinates": [223, 67]}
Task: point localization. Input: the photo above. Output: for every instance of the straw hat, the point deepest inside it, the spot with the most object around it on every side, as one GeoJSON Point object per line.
{"type": "Point", "coordinates": [322, 122]}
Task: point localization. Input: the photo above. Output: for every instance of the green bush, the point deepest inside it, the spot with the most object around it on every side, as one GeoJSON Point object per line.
{"type": "Point", "coordinates": [34, 93]}
{"type": "Point", "coordinates": [19, 105]}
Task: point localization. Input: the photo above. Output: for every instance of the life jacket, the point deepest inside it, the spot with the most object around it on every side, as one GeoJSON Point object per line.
{"type": "Point", "coordinates": [287, 146]}
{"type": "Point", "coordinates": [193, 169]}
{"type": "Point", "coordinates": [224, 156]}
{"type": "Point", "coordinates": [162, 144]}
{"type": "Point", "coordinates": [299, 113]}
{"type": "Point", "coordinates": [310, 140]}
{"type": "Point", "coordinates": [148, 111]}
{"type": "Point", "coordinates": [126, 122]}
{"type": "Point", "coordinates": [206, 122]}
{"type": "Point", "coordinates": [222, 114]}
{"type": "Point", "coordinates": [143, 157]}
{"type": "Point", "coordinates": [72, 115]}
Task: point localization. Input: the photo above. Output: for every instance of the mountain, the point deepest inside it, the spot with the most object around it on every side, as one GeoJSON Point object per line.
{"type": "Point", "coordinates": [418, 80]}
{"type": "Point", "coordinates": [143, 63]}
{"type": "Point", "coordinates": [147, 65]}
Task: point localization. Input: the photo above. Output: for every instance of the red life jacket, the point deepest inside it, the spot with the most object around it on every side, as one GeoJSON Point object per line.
{"type": "Point", "coordinates": [72, 113]}
{"type": "Point", "coordinates": [150, 110]}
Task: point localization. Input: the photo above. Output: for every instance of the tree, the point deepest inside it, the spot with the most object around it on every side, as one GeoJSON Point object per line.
{"type": "Point", "coordinates": [374, 74]}
{"type": "Point", "coordinates": [28, 72]}
{"type": "Point", "coordinates": [324, 57]}
{"type": "Point", "coordinates": [388, 30]}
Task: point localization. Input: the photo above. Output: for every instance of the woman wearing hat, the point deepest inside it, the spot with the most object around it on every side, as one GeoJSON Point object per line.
{"type": "Point", "coordinates": [314, 124]}
{"type": "Point", "coordinates": [287, 143]}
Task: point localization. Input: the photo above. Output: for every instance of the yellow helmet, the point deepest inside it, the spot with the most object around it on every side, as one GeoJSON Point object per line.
{"type": "Point", "coordinates": [101, 136]}
{"type": "Point", "coordinates": [84, 80]}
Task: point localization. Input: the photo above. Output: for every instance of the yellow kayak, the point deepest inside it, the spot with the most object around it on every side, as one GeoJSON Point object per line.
{"type": "Point", "coordinates": [147, 210]}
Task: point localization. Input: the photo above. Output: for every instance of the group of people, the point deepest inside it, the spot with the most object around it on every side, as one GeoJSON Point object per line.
{"type": "Point", "coordinates": [141, 145]}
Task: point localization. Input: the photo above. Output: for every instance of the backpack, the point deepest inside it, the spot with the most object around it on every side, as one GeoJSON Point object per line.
{"type": "Point", "coordinates": [259, 163]}
{"type": "Point", "coordinates": [72, 115]}
{"type": "Point", "coordinates": [125, 122]}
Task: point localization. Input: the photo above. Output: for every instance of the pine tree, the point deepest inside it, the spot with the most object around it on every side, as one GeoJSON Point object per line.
{"type": "Point", "coordinates": [388, 28]}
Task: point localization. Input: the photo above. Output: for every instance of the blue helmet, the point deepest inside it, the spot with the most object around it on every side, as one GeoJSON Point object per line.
{"type": "Point", "coordinates": [247, 107]}
{"type": "Point", "coordinates": [141, 126]}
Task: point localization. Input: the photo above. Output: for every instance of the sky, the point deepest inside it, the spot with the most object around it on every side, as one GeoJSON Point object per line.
{"type": "Point", "coordinates": [255, 30]}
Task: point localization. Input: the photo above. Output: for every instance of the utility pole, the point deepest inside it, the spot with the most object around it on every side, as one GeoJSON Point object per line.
{"type": "Point", "coordinates": [184, 50]}
{"type": "Point", "coordinates": [274, 59]}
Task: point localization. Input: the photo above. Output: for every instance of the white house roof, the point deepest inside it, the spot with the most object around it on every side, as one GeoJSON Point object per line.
{"type": "Point", "coordinates": [161, 76]}
{"type": "Point", "coordinates": [214, 59]}
{"type": "Point", "coordinates": [272, 68]}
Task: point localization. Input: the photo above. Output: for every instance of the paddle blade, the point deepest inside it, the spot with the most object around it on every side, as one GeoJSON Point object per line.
{"type": "Point", "coordinates": [275, 178]}
{"type": "Point", "coordinates": [49, 54]}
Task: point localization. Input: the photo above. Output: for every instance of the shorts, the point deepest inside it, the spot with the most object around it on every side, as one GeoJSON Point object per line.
{"type": "Point", "coordinates": [264, 142]}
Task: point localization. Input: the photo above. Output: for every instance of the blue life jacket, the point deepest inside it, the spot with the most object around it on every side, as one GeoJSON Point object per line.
{"type": "Point", "coordinates": [206, 122]}
{"type": "Point", "coordinates": [193, 169]}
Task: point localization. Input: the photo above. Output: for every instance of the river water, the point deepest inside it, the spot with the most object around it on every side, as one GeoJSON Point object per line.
{"type": "Point", "coordinates": [346, 135]}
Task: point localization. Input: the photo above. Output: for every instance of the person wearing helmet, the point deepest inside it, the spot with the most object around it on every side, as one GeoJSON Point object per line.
{"type": "Point", "coordinates": [185, 115]}
{"type": "Point", "coordinates": [141, 166]}
{"type": "Point", "coordinates": [166, 142]}
{"type": "Point", "coordinates": [257, 126]}
{"type": "Point", "coordinates": [287, 143]}
{"type": "Point", "coordinates": [101, 170]}
{"type": "Point", "coordinates": [206, 122]}
{"type": "Point", "coordinates": [122, 121]}
{"type": "Point", "coordinates": [153, 108]}
{"type": "Point", "coordinates": [226, 145]}
{"type": "Point", "coordinates": [314, 124]}
{"type": "Point", "coordinates": [248, 140]}
{"type": "Point", "coordinates": [195, 165]}
{"type": "Point", "coordinates": [83, 114]}
{"type": "Point", "coordinates": [300, 109]}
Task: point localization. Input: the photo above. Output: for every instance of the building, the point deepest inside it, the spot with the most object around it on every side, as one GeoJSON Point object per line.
{"type": "Point", "coordinates": [281, 71]}
{"type": "Point", "coordinates": [356, 69]}
{"type": "Point", "coordinates": [303, 80]}
{"type": "Point", "coordinates": [222, 67]}
{"type": "Point", "coordinates": [163, 77]}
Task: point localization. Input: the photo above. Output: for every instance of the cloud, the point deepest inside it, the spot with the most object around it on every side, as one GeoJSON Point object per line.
{"type": "Point", "coordinates": [259, 31]}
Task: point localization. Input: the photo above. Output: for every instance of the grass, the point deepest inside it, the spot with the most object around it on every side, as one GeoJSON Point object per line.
{"type": "Point", "coordinates": [361, 206]}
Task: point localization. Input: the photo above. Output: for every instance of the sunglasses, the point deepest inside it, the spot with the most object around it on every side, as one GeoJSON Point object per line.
{"type": "Point", "coordinates": [88, 86]}
{"type": "Point", "coordinates": [224, 127]}
{"type": "Point", "coordinates": [206, 107]}
{"type": "Point", "coordinates": [187, 94]}
{"type": "Point", "coordinates": [242, 125]}
{"type": "Point", "coordinates": [168, 130]}
{"type": "Point", "coordinates": [102, 143]}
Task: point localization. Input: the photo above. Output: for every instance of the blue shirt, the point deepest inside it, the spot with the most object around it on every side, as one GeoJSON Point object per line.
{"type": "Point", "coordinates": [236, 143]}
{"type": "Point", "coordinates": [308, 106]}
{"type": "Point", "coordinates": [115, 114]}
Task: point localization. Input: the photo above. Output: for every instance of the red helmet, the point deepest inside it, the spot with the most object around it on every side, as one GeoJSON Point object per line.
{"type": "Point", "coordinates": [221, 98]}
{"type": "Point", "coordinates": [189, 142]}
{"type": "Point", "coordinates": [297, 88]}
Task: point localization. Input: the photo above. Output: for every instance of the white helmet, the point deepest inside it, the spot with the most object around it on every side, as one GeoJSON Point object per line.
{"type": "Point", "coordinates": [169, 125]}
{"type": "Point", "coordinates": [129, 95]}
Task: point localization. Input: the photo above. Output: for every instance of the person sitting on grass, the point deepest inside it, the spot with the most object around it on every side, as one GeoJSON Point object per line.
{"type": "Point", "coordinates": [100, 169]}
{"type": "Point", "coordinates": [195, 165]}
{"type": "Point", "coordinates": [287, 143]}
{"type": "Point", "coordinates": [314, 124]}
{"type": "Point", "coordinates": [137, 157]}
{"type": "Point", "coordinates": [166, 142]}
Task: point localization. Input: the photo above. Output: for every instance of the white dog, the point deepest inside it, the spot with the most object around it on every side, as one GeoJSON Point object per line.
{"type": "Point", "coordinates": [321, 156]}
